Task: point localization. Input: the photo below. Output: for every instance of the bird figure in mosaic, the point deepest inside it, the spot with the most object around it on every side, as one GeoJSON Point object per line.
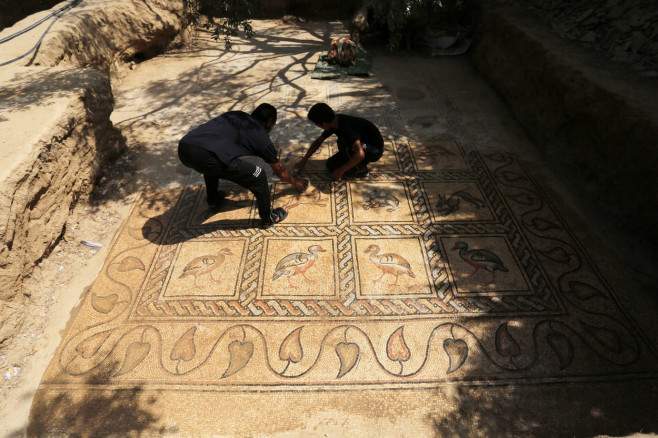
{"type": "Point", "coordinates": [480, 259]}
{"type": "Point", "coordinates": [446, 205]}
{"type": "Point", "coordinates": [432, 153]}
{"type": "Point", "coordinates": [389, 263]}
{"type": "Point", "coordinates": [314, 197]}
{"type": "Point", "coordinates": [205, 265]}
{"type": "Point", "coordinates": [380, 198]}
{"type": "Point", "coordinates": [297, 263]}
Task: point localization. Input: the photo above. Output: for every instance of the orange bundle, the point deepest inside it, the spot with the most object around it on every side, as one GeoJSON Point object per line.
{"type": "Point", "coordinates": [343, 51]}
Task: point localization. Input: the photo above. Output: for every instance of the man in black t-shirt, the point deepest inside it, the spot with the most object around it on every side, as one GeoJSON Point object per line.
{"type": "Point", "coordinates": [359, 142]}
{"type": "Point", "coordinates": [215, 149]}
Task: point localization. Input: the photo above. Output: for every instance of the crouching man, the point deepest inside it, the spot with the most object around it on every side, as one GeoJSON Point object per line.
{"type": "Point", "coordinates": [359, 142]}
{"type": "Point", "coordinates": [215, 149]}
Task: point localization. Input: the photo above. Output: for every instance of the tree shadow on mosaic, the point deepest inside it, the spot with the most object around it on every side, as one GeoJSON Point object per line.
{"type": "Point", "coordinates": [265, 69]}
{"type": "Point", "coordinates": [549, 410]}
{"type": "Point", "coordinates": [94, 410]}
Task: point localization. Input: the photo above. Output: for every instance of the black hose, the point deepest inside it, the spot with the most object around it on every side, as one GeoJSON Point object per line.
{"type": "Point", "coordinates": [33, 25]}
{"type": "Point", "coordinates": [34, 48]}
{"type": "Point", "coordinates": [58, 13]}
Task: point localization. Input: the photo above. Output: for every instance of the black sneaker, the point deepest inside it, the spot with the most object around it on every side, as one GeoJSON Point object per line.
{"type": "Point", "coordinates": [277, 215]}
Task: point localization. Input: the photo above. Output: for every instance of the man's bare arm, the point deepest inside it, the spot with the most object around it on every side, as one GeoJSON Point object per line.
{"type": "Point", "coordinates": [280, 170]}
{"type": "Point", "coordinates": [309, 153]}
{"type": "Point", "coordinates": [314, 147]}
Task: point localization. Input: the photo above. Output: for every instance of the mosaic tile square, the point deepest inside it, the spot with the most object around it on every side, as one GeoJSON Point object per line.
{"type": "Point", "coordinates": [457, 202]}
{"type": "Point", "coordinates": [296, 268]}
{"type": "Point", "coordinates": [375, 202]}
{"type": "Point", "coordinates": [206, 269]}
{"type": "Point", "coordinates": [239, 208]}
{"type": "Point", "coordinates": [483, 264]}
{"type": "Point", "coordinates": [437, 153]}
{"type": "Point", "coordinates": [393, 267]}
{"type": "Point", "coordinates": [313, 207]}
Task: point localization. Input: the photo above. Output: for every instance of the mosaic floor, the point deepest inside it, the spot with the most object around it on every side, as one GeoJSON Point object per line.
{"type": "Point", "coordinates": [438, 267]}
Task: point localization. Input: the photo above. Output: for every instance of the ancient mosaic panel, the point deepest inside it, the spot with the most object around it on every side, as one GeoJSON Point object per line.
{"type": "Point", "coordinates": [453, 268]}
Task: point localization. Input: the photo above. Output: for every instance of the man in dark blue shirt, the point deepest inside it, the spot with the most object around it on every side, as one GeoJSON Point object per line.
{"type": "Point", "coordinates": [215, 148]}
{"type": "Point", "coordinates": [359, 142]}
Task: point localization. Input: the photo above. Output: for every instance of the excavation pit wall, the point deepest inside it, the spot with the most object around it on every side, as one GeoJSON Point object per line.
{"type": "Point", "coordinates": [595, 121]}
{"type": "Point", "coordinates": [57, 137]}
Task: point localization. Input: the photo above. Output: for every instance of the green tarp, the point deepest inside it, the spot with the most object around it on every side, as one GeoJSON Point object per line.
{"type": "Point", "coordinates": [324, 70]}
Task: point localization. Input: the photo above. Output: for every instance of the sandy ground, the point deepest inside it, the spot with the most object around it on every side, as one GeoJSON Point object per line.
{"type": "Point", "coordinates": [165, 96]}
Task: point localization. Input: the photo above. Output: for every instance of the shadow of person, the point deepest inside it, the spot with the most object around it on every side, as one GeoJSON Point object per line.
{"type": "Point", "coordinates": [196, 226]}
{"type": "Point", "coordinates": [227, 205]}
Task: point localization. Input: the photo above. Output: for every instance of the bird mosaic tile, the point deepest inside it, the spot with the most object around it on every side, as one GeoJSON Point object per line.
{"type": "Point", "coordinates": [483, 264]}
{"type": "Point", "coordinates": [206, 269]}
{"type": "Point", "coordinates": [436, 153]}
{"type": "Point", "coordinates": [299, 267]}
{"type": "Point", "coordinates": [392, 267]}
{"type": "Point", "coordinates": [457, 202]}
{"type": "Point", "coordinates": [380, 202]}
{"type": "Point", "coordinates": [313, 207]}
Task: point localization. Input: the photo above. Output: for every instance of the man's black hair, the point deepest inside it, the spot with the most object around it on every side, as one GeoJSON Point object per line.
{"type": "Point", "coordinates": [321, 113]}
{"type": "Point", "coordinates": [265, 114]}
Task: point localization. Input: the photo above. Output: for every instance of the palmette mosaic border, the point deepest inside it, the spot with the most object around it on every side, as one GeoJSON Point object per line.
{"type": "Point", "coordinates": [568, 326]}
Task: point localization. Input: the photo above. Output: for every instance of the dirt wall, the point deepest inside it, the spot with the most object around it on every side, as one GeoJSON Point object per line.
{"type": "Point", "coordinates": [623, 31]}
{"type": "Point", "coordinates": [599, 125]}
{"type": "Point", "coordinates": [57, 134]}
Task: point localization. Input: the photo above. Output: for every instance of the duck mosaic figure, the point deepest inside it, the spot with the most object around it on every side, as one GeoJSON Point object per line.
{"type": "Point", "coordinates": [446, 205]}
{"type": "Point", "coordinates": [480, 259]}
{"type": "Point", "coordinates": [389, 263]}
{"type": "Point", "coordinates": [297, 263]}
{"type": "Point", "coordinates": [205, 265]}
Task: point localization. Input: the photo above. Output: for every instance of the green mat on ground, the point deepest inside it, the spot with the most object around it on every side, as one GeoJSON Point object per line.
{"type": "Point", "coordinates": [324, 70]}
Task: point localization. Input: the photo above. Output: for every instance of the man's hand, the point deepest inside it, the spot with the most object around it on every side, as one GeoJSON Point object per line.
{"type": "Point", "coordinates": [300, 165]}
{"type": "Point", "coordinates": [300, 184]}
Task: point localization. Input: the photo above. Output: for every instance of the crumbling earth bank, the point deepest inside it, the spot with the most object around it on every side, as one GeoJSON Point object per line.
{"type": "Point", "coordinates": [57, 136]}
{"type": "Point", "coordinates": [102, 33]}
{"type": "Point", "coordinates": [52, 152]}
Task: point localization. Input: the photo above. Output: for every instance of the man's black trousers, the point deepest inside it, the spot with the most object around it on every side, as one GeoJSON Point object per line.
{"type": "Point", "coordinates": [241, 172]}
